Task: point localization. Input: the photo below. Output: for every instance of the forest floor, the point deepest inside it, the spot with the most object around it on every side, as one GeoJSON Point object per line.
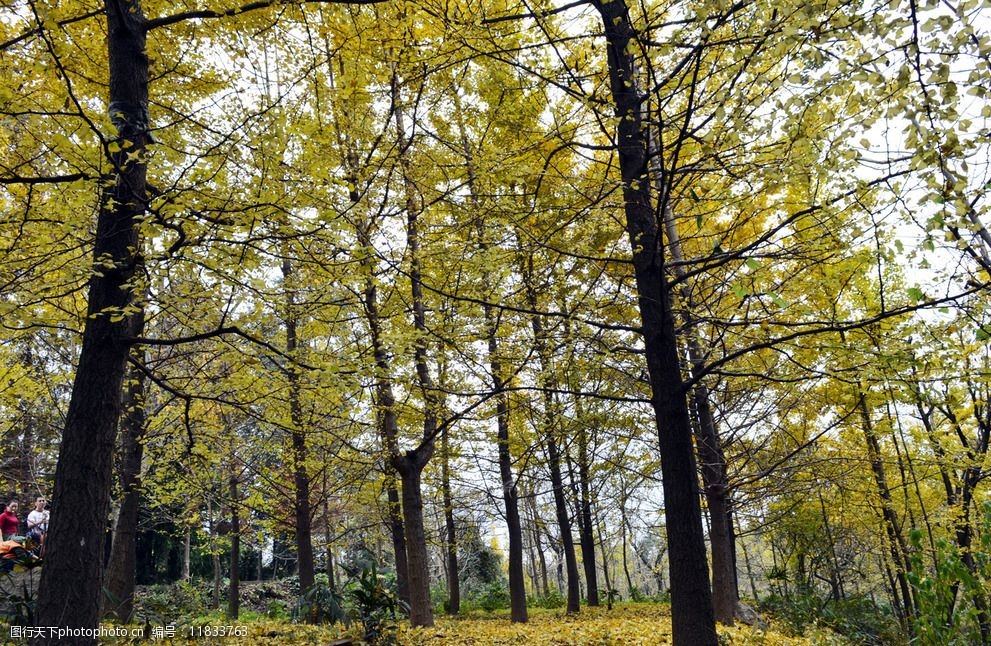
{"type": "Point", "coordinates": [627, 623]}
{"type": "Point", "coordinates": [640, 624]}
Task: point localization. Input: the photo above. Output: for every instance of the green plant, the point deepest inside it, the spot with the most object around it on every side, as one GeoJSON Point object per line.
{"type": "Point", "coordinates": [320, 604]}
{"type": "Point", "coordinates": [276, 609]}
{"type": "Point", "coordinates": [551, 600]}
{"type": "Point", "coordinates": [493, 596]}
{"type": "Point", "coordinates": [948, 596]}
{"type": "Point", "coordinates": [165, 604]}
{"type": "Point", "coordinates": [17, 601]}
{"type": "Point", "coordinates": [376, 606]}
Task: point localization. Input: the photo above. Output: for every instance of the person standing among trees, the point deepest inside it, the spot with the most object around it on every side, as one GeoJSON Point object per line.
{"type": "Point", "coordinates": [8, 520]}
{"type": "Point", "coordinates": [38, 523]}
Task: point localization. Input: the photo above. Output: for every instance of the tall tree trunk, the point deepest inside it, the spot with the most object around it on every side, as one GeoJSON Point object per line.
{"type": "Point", "coordinates": [510, 497]}
{"type": "Point", "coordinates": [896, 541]}
{"type": "Point", "coordinates": [549, 431]}
{"type": "Point", "coordinates": [564, 525]}
{"type": "Point", "coordinates": [450, 529]}
{"type": "Point", "coordinates": [81, 495]}
{"type": "Point", "coordinates": [586, 529]}
{"type": "Point", "coordinates": [301, 478]}
{"type": "Point", "coordinates": [234, 588]}
{"type": "Point", "coordinates": [517, 585]}
{"type": "Point", "coordinates": [120, 576]}
{"type": "Point", "coordinates": [398, 534]}
{"type": "Point", "coordinates": [623, 525]}
{"type": "Point", "coordinates": [605, 567]}
{"type": "Point", "coordinates": [715, 477]}
{"type": "Point", "coordinates": [410, 465]}
{"type": "Point", "coordinates": [715, 482]}
{"type": "Point", "coordinates": [327, 537]}
{"type": "Point", "coordinates": [692, 617]}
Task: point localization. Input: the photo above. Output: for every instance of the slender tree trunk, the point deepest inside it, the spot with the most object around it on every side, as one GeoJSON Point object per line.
{"type": "Point", "coordinates": [398, 534]}
{"type": "Point", "coordinates": [186, 553]}
{"type": "Point", "coordinates": [605, 567]}
{"type": "Point", "coordinates": [517, 585]}
{"type": "Point", "coordinates": [510, 497]}
{"type": "Point", "coordinates": [715, 477]}
{"type": "Point", "coordinates": [81, 495]}
{"type": "Point", "coordinates": [896, 541]}
{"type": "Point", "coordinates": [564, 525]}
{"type": "Point", "coordinates": [586, 530]}
{"type": "Point", "coordinates": [541, 559]}
{"type": "Point", "coordinates": [450, 529]}
{"type": "Point", "coordinates": [327, 537]}
{"type": "Point", "coordinates": [623, 529]}
{"type": "Point", "coordinates": [215, 556]}
{"type": "Point", "coordinates": [385, 397]}
{"type": "Point", "coordinates": [119, 598]}
{"type": "Point", "coordinates": [411, 464]}
{"type": "Point", "coordinates": [298, 450]}
{"type": "Point", "coordinates": [717, 496]}
{"type": "Point", "coordinates": [692, 617]}
{"type": "Point", "coordinates": [234, 588]}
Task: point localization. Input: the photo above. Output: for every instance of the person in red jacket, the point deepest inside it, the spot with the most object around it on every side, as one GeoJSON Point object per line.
{"type": "Point", "coordinates": [8, 520]}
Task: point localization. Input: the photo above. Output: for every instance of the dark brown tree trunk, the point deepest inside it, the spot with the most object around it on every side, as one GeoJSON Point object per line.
{"type": "Point", "coordinates": [717, 496]}
{"type": "Point", "coordinates": [586, 531]}
{"type": "Point", "coordinates": [510, 497]}
{"type": "Point", "coordinates": [81, 496]}
{"type": "Point", "coordinates": [234, 588]}
{"type": "Point", "coordinates": [553, 454]}
{"type": "Point", "coordinates": [301, 477]}
{"type": "Point", "coordinates": [564, 524]}
{"type": "Point", "coordinates": [451, 534]}
{"type": "Point", "coordinates": [605, 568]}
{"type": "Point", "coordinates": [410, 465]}
{"type": "Point", "coordinates": [541, 559]}
{"type": "Point", "coordinates": [692, 617]}
{"type": "Point", "coordinates": [896, 541]}
{"type": "Point", "coordinates": [410, 468]}
{"type": "Point", "coordinates": [517, 585]}
{"type": "Point", "coordinates": [715, 477]}
{"type": "Point", "coordinates": [398, 534]}
{"type": "Point", "coordinates": [120, 576]}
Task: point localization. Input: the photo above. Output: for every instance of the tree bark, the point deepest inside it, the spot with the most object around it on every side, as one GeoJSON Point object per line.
{"type": "Point", "coordinates": [896, 541]}
{"type": "Point", "coordinates": [234, 588]}
{"type": "Point", "coordinates": [119, 598]}
{"type": "Point", "coordinates": [586, 531]}
{"type": "Point", "coordinates": [510, 497]}
{"type": "Point", "coordinates": [692, 616]}
{"type": "Point", "coordinates": [298, 451]}
{"type": "Point", "coordinates": [451, 534]}
{"type": "Point", "coordinates": [517, 584]}
{"type": "Point", "coordinates": [81, 495]}
{"type": "Point", "coordinates": [410, 465]}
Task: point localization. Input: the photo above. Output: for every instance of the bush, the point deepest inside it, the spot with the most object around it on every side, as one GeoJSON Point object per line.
{"type": "Point", "coordinates": [493, 596]}
{"type": "Point", "coordinates": [164, 604]}
{"type": "Point", "coordinates": [857, 618]}
{"type": "Point", "coordinates": [375, 605]}
{"type": "Point", "coordinates": [552, 600]}
{"type": "Point", "coordinates": [320, 604]}
{"type": "Point", "coordinates": [949, 597]}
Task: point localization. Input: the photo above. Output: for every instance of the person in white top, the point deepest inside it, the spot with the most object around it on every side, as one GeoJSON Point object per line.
{"type": "Point", "coordinates": [38, 522]}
